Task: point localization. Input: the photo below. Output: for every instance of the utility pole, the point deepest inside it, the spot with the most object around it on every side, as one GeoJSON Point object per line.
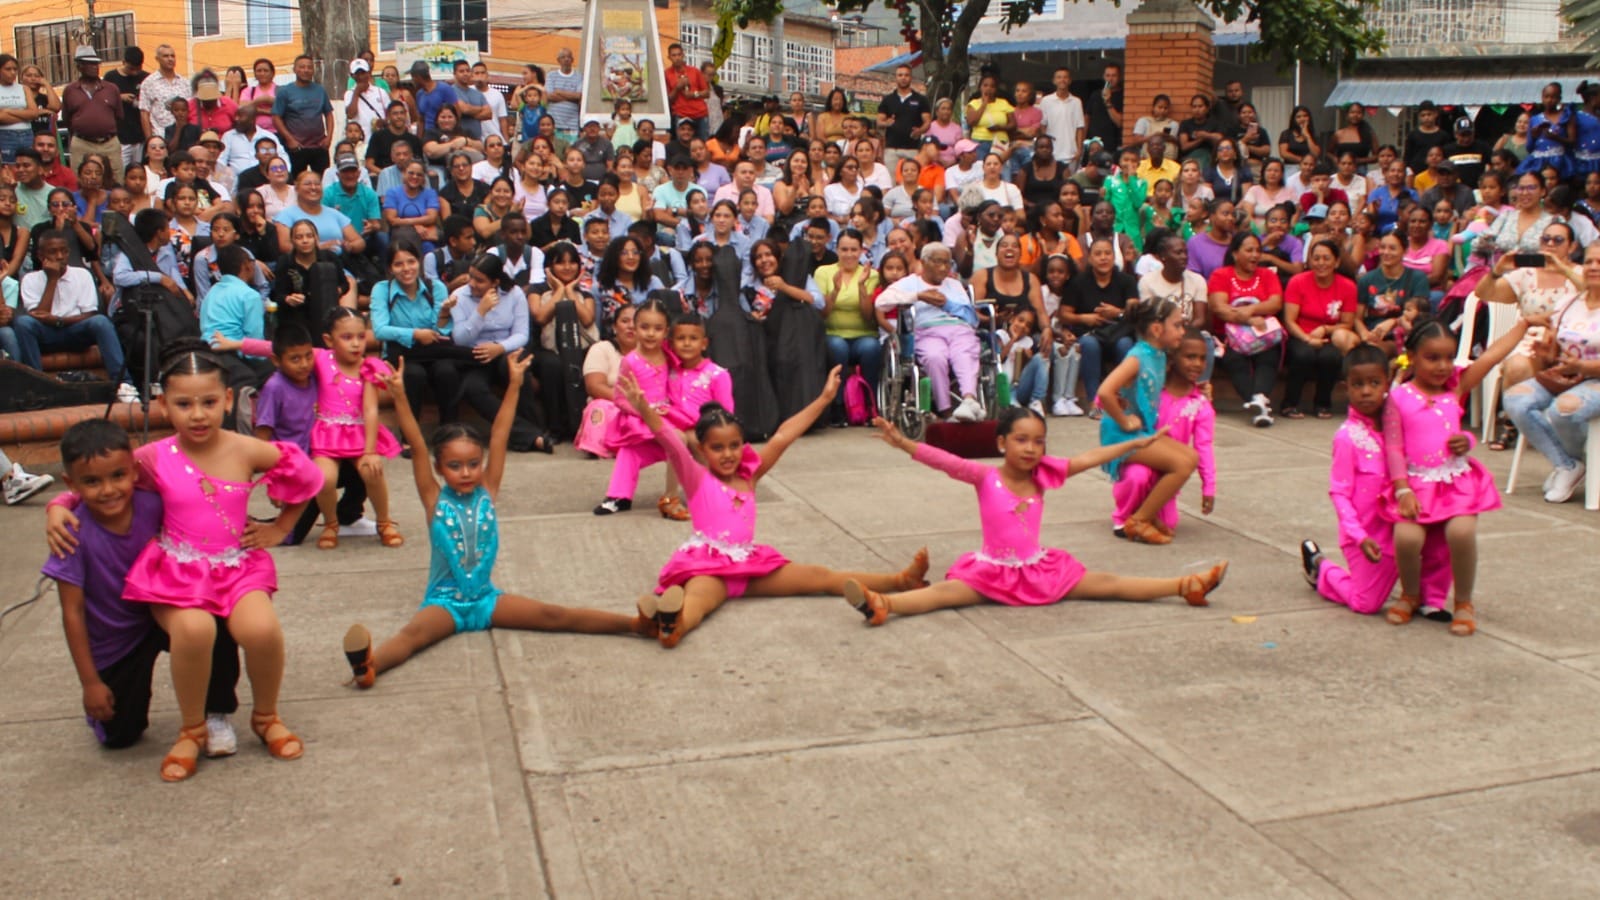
{"type": "Point", "coordinates": [778, 57]}
{"type": "Point", "coordinates": [91, 26]}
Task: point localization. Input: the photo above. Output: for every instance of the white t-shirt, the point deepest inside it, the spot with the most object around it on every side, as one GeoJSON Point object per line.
{"type": "Point", "coordinates": [497, 110]}
{"type": "Point", "coordinates": [1062, 119]}
{"type": "Point", "coordinates": [75, 293]}
{"type": "Point", "coordinates": [1186, 293]}
{"type": "Point", "coordinates": [374, 104]}
{"type": "Point", "coordinates": [955, 179]}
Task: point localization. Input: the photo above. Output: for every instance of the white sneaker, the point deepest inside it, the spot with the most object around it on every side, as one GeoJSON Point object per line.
{"type": "Point", "coordinates": [20, 485]}
{"type": "Point", "coordinates": [220, 739]}
{"type": "Point", "coordinates": [1550, 480]}
{"type": "Point", "coordinates": [362, 527]}
{"type": "Point", "coordinates": [968, 410]}
{"type": "Point", "coordinates": [1564, 483]}
{"type": "Point", "coordinates": [127, 393]}
{"type": "Point", "coordinates": [1263, 408]}
{"type": "Point", "coordinates": [1037, 407]}
{"type": "Point", "coordinates": [1059, 408]}
{"type": "Point", "coordinates": [1073, 409]}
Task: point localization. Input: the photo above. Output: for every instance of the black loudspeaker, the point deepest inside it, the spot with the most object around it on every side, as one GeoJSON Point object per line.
{"type": "Point", "coordinates": [25, 390]}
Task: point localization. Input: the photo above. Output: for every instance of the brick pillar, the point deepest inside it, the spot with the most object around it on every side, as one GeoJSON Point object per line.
{"type": "Point", "coordinates": [1169, 51]}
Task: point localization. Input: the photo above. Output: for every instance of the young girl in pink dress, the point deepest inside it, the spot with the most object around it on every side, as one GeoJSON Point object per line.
{"type": "Point", "coordinates": [1187, 414]}
{"type": "Point", "coordinates": [210, 559]}
{"type": "Point", "coordinates": [722, 560]}
{"type": "Point", "coordinates": [1437, 486]}
{"type": "Point", "coordinates": [692, 382]}
{"type": "Point", "coordinates": [1358, 484]}
{"type": "Point", "coordinates": [649, 365]}
{"type": "Point", "coordinates": [347, 424]}
{"type": "Point", "coordinates": [1012, 568]}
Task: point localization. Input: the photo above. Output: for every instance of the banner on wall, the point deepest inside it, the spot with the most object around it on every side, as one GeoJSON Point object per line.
{"type": "Point", "coordinates": [441, 56]}
{"type": "Point", "coordinates": [622, 60]}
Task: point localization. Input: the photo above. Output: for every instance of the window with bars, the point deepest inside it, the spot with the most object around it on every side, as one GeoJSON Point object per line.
{"type": "Point", "coordinates": [1051, 11]}
{"type": "Point", "coordinates": [268, 22]}
{"type": "Point", "coordinates": [696, 41]}
{"type": "Point", "coordinates": [205, 18]}
{"type": "Point", "coordinates": [50, 45]}
{"type": "Point", "coordinates": [1433, 22]}
{"type": "Point", "coordinates": [405, 21]}
{"type": "Point", "coordinates": [465, 20]}
{"type": "Point", "coordinates": [806, 67]}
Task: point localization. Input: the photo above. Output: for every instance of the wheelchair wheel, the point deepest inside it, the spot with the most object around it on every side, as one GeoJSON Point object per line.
{"type": "Point", "coordinates": [989, 381]}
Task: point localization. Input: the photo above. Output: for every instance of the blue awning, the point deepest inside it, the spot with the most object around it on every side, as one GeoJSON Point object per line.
{"type": "Point", "coordinates": [889, 65]}
{"type": "Point", "coordinates": [1384, 92]}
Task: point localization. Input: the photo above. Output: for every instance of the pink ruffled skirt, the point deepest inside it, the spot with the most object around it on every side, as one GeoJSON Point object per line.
{"type": "Point", "coordinates": [175, 579]}
{"type": "Point", "coordinates": [1037, 581]}
{"type": "Point", "coordinates": [735, 569]}
{"type": "Point", "coordinates": [347, 441]}
{"type": "Point", "coordinates": [1467, 494]}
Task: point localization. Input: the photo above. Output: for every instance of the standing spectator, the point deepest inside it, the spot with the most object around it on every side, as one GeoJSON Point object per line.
{"type": "Point", "coordinates": [1226, 112]}
{"type": "Point", "coordinates": [1466, 153]}
{"type": "Point", "coordinates": [1425, 136]}
{"type": "Point", "coordinates": [157, 92]}
{"type": "Point", "coordinates": [91, 108]}
{"type": "Point", "coordinates": [209, 109]}
{"type": "Point", "coordinates": [472, 106]}
{"type": "Point", "coordinates": [303, 115]}
{"type": "Point", "coordinates": [686, 92]}
{"type": "Point", "coordinates": [365, 104]}
{"type": "Point", "coordinates": [499, 121]}
{"type": "Point", "coordinates": [1063, 118]}
{"type": "Point", "coordinates": [1198, 135]}
{"type": "Point", "coordinates": [904, 115]}
{"type": "Point", "coordinates": [1027, 123]}
{"type": "Point", "coordinates": [431, 96]}
{"type": "Point", "coordinates": [714, 115]}
{"type": "Point", "coordinates": [1158, 122]}
{"type": "Point", "coordinates": [258, 97]}
{"type": "Point", "coordinates": [127, 78]}
{"type": "Point", "coordinates": [563, 93]}
{"type": "Point", "coordinates": [1105, 108]}
{"type": "Point", "coordinates": [45, 99]}
{"type": "Point", "coordinates": [990, 117]}
{"type": "Point", "coordinates": [17, 111]}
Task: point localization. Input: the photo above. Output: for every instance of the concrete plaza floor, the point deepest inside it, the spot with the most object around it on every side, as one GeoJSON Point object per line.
{"type": "Point", "coordinates": [1271, 745]}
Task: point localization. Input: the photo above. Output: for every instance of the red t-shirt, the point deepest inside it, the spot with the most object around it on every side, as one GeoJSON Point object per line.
{"type": "Point", "coordinates": [1320, 306]}
{"type": "Point", "coordinates": [685, 107]}
{"type": "Point", "coordinates": [1259, 287]}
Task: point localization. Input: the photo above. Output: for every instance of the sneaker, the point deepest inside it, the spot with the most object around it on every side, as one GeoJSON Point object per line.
{"type": "Point", "coordinates": [1564, 484]}
{"type": "Point", "coordinates": [1549, 480]}
{"type": "Point", "coordinates": [127, 393]}
{"type": "Point", "coordinates": [613, 505]}
{"type": "Point", "coordinates": [220, 739]}
{"type": "Point", "coordinates": [20, 485]}
{"type": "Point", "coordinates": [1073, 409]}
{"type": "Point", "coordinates": [968, 410]}
{"type": "Point", "coordinates": [1263, 409]}
{"type": "Point", "coordinates": [1037, 407]}
{"type": "Point", "coordinates": [1311, 561]}
{"type": "Point", "coordinates": [1060, 407]}
{"type": "Point", "coordinates": [362, 527]}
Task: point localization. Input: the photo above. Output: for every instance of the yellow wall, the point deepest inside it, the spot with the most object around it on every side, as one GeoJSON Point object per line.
{"type": "Point", "coordinates": [159, 22]}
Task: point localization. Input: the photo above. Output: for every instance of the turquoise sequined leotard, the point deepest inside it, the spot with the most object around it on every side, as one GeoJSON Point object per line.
{"type": "Point", "coordinates": [1141, 398]}
{"type": "Point", "coordinates": [466, 540]}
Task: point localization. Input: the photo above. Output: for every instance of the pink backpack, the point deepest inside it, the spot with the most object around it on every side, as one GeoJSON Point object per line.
{"type": "Point", "coordinates": [860, 406]}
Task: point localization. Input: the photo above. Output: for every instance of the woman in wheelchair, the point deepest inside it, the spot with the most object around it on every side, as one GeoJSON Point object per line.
{"type": "Point", "coordinates": [946, 334]}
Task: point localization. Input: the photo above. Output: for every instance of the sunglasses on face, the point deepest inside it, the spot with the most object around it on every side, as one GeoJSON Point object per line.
{"type": "Point", "coordinates": [1548, 239]}
{"type": "Point", "coordinates": [277, 168]}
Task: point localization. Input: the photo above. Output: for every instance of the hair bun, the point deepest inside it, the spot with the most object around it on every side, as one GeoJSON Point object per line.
{"type": "Point", "coordinates": [712, 407]}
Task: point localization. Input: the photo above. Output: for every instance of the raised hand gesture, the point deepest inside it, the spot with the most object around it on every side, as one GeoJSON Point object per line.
{"type": "Point", "coordinates": [517, 364]}
{"type": "Point", "coordinates": [629, 386]}
{"type": "Point", "coordinates": [395, 379]}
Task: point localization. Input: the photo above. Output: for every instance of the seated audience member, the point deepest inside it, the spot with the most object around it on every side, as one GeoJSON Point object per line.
{"type": "Point", "coordinates": [946, 331]}
{"type": "Point", "coordinates": [59, 309]}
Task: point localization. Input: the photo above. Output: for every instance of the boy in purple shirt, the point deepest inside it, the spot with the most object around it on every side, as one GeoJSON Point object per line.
{"type": "Point", "coordinates": [114, 643]}
{"type": "Point", "coordinates": [285, 410]}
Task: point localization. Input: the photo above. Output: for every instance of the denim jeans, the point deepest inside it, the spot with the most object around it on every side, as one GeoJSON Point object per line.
{"type": "Point", "coordinates": [1032, 382]}
{"type": "Point", "coordinates": [1021, 155]}
{"type": "Point", "coordinates": [1097, 358]}
{"type": "Point", "coordinates": [35, 336]}
{"type": "Point", "coordinates": [1558, 435]}
{"type": "Point", "coordinates": [9, 345]}
{"type": "Point", "coordinates": [864, 351]}
{"type": "Point", "coordinates": [1064, 371]}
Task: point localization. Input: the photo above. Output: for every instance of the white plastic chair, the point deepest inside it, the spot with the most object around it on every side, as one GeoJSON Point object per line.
{"type": "Point", "coordinates": [1486, 396]}
{"type": "Point", "coordinates": [1591, 478]}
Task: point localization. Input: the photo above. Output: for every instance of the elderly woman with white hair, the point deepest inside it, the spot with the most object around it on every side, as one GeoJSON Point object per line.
{"type": "Point", "coordinates": [946, 334]}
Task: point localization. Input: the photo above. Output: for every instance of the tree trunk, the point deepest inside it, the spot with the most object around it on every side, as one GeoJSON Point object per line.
{"type": "Point", "coordinates": [335, 32]}
{"type": "Point", "coordinates": [945, 68]}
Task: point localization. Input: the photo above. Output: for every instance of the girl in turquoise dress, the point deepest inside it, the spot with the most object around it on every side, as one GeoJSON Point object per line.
{"type": "Point", "coordinates": [461, 595]}
{"type": "Point", "coordinates": [1131, 399]}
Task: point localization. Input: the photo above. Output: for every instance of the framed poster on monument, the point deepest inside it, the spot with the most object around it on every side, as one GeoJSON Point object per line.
{"type": "Point", "coordinates": [623, 60]}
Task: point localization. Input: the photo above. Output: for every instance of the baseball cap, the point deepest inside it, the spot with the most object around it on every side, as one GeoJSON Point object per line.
{"type": "Point", "coordinates": [593, 120]}
{"type": "Point", "coordinates": [1318, 211]}
{"type": "Point", "coordinates": [1426, 106]}
{"type": "Point", "coordinates": [685, 121]}
{"type": "Point", "coordinates": [209, 137]}
{"type": "Point", "coordinates": [1102, 159]}
{"type": "Point", "coordinates": [930, 139]}
{"type": "Point", "coordinates": [207, 90]}
{"type": "Point", "coordinates": [420, 68]}
{"type": "Point", "coordinates": [359, 65]}
{"type": "Point", "coordinates": [1464, 124]}
{"type": "Point", "coordinates": [85, 54]}
{"type": "Point", "coordinates": [347, 161]}
{"type": "Point", "coordinates": [966, 145]}
{"type": "Point", "coordinates": [1447, 167]}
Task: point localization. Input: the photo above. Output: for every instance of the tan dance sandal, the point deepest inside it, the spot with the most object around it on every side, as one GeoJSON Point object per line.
{"type": "Point", "coordinates": [175, 768]}
{"type": "Point", "coordinates": [1196, 589]}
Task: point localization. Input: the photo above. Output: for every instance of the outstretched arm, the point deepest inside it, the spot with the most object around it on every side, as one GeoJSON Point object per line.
{"type": "Point", "coordinates": [797, 424]}
{"type": "Point", "coordinates": [421, 468]}
{"type": "Point", "coordinates": [963, 470]}
{"type": "Point", "coordinates": [1099, 456]}
{"type": "Point", "coordinates": [1492, 355]}
{"type": "Point", "coordinates": [500, 434]}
